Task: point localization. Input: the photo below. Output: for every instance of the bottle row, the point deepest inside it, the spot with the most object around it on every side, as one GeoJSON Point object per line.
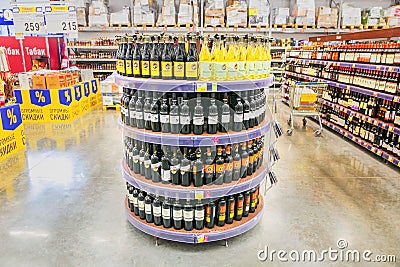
{"type": "Point", "coordinates": [183, 57]}
{"type": "Point", "coordinates": [383, 110]}
{"type": "Point", "coordinates": [386, 53]}
{"type": "Point", "coordinates": [93, 55]}
{"type": "Point", "coordinates": [96, 66]}
{"type": "Point", "coordinates": [102, 41]}
{"type": "Point", "coordinates": [185, 215]}
{"type": "Point", "coordinates": [380, 81]}
{"type": "Point", "coordinates": [380, 138]}
{"type": "Point", "coordinates": [193, 113]}
{"type": "Point", "coordinates": [198, 166]}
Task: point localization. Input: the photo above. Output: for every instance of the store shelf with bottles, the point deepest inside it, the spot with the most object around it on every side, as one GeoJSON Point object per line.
{"type": "Point", "coordinates": [93, 59]}
{"type": "Point", "coordinates": [94, 47]}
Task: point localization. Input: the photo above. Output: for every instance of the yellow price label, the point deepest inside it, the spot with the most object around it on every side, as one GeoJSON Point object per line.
{"type": "Point", "coordinates": [201, 87]}
{"type": "Point", "coordinates": [390, 129]}
{"type": "Point", "coordinates": [199, 195]}
{"type": "Point", "coordinates": [390, 69]}
{"type": "Point", "coordinates": [375, 123]}
{"type": "Point", "coordinates": [214, 87]}
{"type": "Point", "coordinates": [390, 159]}
{"type": "Point", "coordinates": [59, 8]}
{"type": "Point", "coordinates": [27, 9]}
{"type": "Point", "coordinates": [253, 11]}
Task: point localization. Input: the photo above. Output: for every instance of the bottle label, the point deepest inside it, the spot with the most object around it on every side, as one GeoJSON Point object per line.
{"type": "Point", "coordinates": [130, 197]}
{"type": "Point", "coordinates": [220, 70]}
{"type": "Point", "coordinates": [237, 164]}
{"type": "Point", "coordinates": [213, 120]}
{"type": "Point", "coordinates": [225, 118]}
{"type": "Point", "coordinates": [238, 118]}
{"type": "Point", "coordinates": [259, 67]}
{"type": "Point", "coordinates": [397, 119]}
{"type": "Point", "coordinates": [136, 159]}
{"type": "Point", "coordinates": [199, 215]}
{"type": "Point", "coordinates": [242, 68]}
{"type": "Point", "coordinates": [136, 67]}
{"type": "Point", "coordinates": [175, 168]}
{"type": "Point", "coordinates": [154, 117]}
{"type": "Point", "coordinates": [232, 70]}
{"type": "Point", "coordinates": [156, 211]}
{"type": "Point", "coordinates": [147, 164]}
{"type": "Point", "coordinates": [188, 215]}
{"type": "Point", "coordinates": [179, 69]}
{"type": "Point", "coordinates": [166, 213]}
{"type": "Point", "coordinates": [135, 201]}
{"type": "Point", "coordinates": [166, 175]}
{"type": "Point", "coordinates": [139, 115]}
{"type": "Point", "coordinates": [174, 120]}
{"type": "Point", "coordinates": [185, 169]}
{"type": "Point", "coordinates": [220, 168]}
{"type": "Point", "coordinates": [155, 68]}
{"type": "Point", "coordinates": [222, 215]}
{"type": "Point", "coordinates": [147, 208]}
{"type": "Point", "coordinates": [141, 159]}
{"type": "Point", "coordinates": [246, 116]}
{"type": "Point", "coordinates": [166, 69]}
{"type": "Point", "coordinates": [251, 68]}
{"type": "Point", "coordinates": [128, 67]}
{"type": "Point", "coordinates": [155, 166]}
{"type": "Point", "coordinates": [229, 166]}
{"type": "Point", "coordinates": [132, 113]}
{"type": "Point", "coordinates": [245, 162]}
{"type": "Point", "coordinates": [191, 70]}
{"type": "Point", "coordinates": [197, 120]}
{"type": "Point", "coordinates": [205, 70]}
{"type": "Point", "coordinates": [178, 214]}
{"type": "Point", "coordinates": [141, 204]}
{"type": "Point", "coordinates": [147, 116]}
{"type": "Point", "coordinates": [117, 65]}
{"type": "Point", "coordinates": [185, 120]}
{"type": "Point", "coordinates": [145, 67]}
{"type": "Point", "coordinates": [209, 169]}
{"type": "Point", "coordinates": [164, 118]}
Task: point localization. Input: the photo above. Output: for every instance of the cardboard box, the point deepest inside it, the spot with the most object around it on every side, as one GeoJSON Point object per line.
{"type": "Point", "coordinates": [98, 20]}
{"type": "Point", "coordinates": [121, 17]}
{"type": "Point", "coordinates": [258, 12]}
{"type": "Point", "coordinates": [39, 81]}
{"type": "Point", "coordinates": [81, 16]}
{"type": "Point", "coordinates": [327, 17]}
{"type": "Point", "coordinates": [185, 13]}
{"type": "Point", "coordinates": [214, 13]}
{"type": "Point", "coordinates": [54, 81]}
{"type": "Point", "coordinates": [351, 15]}
{"type": "Point", "coordinates": [236, 14]}
{"type": "Point", "coordinates": [393, 21]}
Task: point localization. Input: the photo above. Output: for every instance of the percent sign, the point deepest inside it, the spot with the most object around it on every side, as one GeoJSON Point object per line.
{"type": "Point", "coordinates": [11, 116]}
{"type": "Point", "coordinates": [40, 97]}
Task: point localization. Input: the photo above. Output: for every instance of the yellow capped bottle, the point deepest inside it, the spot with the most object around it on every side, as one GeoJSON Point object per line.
{"type": "Point", "coordinates": [267, 62]}
{"type": "Point", "coordinates": [220, 63]}
{"type": "Point", "coordinates": [242, 58]}
{"type": "Point", "coordinates": [251, 68]}
{"type": "Point", "coordinates": [259, 58]}
{"type": "Point", "coordinates": [205, 64]}
{"type": "Point", "coordinates": [232, 60]}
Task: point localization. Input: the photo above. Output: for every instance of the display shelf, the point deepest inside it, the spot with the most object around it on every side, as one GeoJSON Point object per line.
{"type": "Point", "coordinates": [345, 86]}
{"type": "Point", "coordinates": [387, 126]}
{"type": "Point", "coordinates": [94, 71]}
{"type": "Point", "coordinates": [93, 47]}
{"type": "Point", "coordinates": [362, 143]}
{"type": "Point", "coordinates": [195, 140]}
{"type": "Point", "coordinates": [93, 59]}
{"type": "Point", "coordinates": [105, 29]}
{"type": "Point", "coordinates": [192, 86]}
{"type": "Point", "coordinates": [192, 192]}
{"type": "Point", "coordinates": [358, 35]}
{"type": "Point", "coordinates": [198, 236]}
{"type": "Point", "coordinates": [278, 61]}
{"type": "Point", "coordinates": [278, 48]}
{"type": "Point", "coordinates": [346, 64]}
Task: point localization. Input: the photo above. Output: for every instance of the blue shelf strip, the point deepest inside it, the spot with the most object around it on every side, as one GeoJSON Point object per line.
{"type": "Point", "coordinates": [196, 237]}
{"type": "Point", "coordinates": [345, 86]}
{"type": "Point", "coordinates": [203, 192]}
{"type": "Point", "coordinates": [195, 141]}
{"type": "Point", "coordinates": [362, 143]}
{"type": "Point", "coordinates": [192, 86]}
{"type": "Point", "coordinates": [383, 125]}
{"type": "Point", "coordinates": [347, 64]}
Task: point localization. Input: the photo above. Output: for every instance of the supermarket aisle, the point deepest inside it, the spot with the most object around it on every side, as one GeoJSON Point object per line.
{"type": "Point", "coordinates": [63, 204]}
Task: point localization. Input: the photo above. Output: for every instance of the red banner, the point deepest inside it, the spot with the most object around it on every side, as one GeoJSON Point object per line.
{"type": "Point", "coordinates": [13, 49]}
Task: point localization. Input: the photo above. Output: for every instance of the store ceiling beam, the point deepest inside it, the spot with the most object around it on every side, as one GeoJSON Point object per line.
{"type": "Point", "coordinates": [361, 35]}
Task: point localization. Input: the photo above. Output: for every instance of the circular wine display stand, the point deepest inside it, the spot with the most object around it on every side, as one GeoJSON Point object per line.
{"type": "Point", "coordinates": [192, 86]}
{"type": "Point", "coordinates": [192, 192]}
{"type": "Point", "coordinates": [198, 236]}
{"type": "Point", "coordinates": [195, 140]}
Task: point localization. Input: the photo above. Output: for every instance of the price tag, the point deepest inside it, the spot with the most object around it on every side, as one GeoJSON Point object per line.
{"type": "Point", "coordinates": [61, 19]}
{"type": "Point", "coordinates": [396, 99]}
{"type": "Point", "coordinates": [199, 194]}
{"type": "Point", "coordinates": [201, 87]}
{"type": "Point", "coordinates": [390, 129]}
{"type": "Point", "coordinates": [375, 123]}
{"type": "Point", "coordinates": [390, 69]}
{"type": "Point", "coordinates": [28, 20]}
{"type": "Point", "coordinates": [214, 87]}
{"type": "Point", "coordinates": [390, 159]}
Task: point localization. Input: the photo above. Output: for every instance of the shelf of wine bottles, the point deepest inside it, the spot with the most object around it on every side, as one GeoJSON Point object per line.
{"type": "Point", "coordinates": [184, 221]}
{"type": "Point", "coordinates": [194, 172]}
{"type": "Point", "coordinates": [179, 57]}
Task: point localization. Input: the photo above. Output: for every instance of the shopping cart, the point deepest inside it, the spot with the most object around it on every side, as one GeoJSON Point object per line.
{"type": "Point", "coordinates": [303, 103]}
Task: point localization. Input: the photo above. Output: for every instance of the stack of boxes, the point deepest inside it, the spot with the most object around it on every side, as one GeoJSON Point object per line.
{"type": "Point", "coordinates": [392, 15]}
{"type": "Point", "coordinates": [143, 13]}
{"type": "Point", "coordinates": [185, 12]}
{"type": "Point", "coordinates": [303, 12]}
{"type": "Point", "coordinates": [167, 15]}
{"type": "Point", "coordinates": [351, 16]}
{"type": "Point", "coordinates": [281, 15]}
{"type": "Point", "coordinates": [214, 13]}
{"type": "Point", "coordinates": [258, 12]}
{"type": "Point", "coordinates": [327, 17]}
{"type": "Point", "coordinates": [81, 14]}
{"type": "Point", "coordinates": [122, 17]}
{"type": "Point", "coordinates": [373, 17]}
{"type": "Point", "coordinates": [98, 14]}
{"type": "Point", "coordinates": [236, 13]}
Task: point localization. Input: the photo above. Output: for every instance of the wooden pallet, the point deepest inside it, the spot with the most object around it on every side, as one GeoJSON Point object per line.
{"type": "Point", "coordinates": [236, 26]}
{"type": "Point", "coordinates": [304, 26]}
{"type": "Point", "coordinates": [360, 26]}
{"type": "Point", "coordinates": [117, 107]}
{"type": "Point", "coordinates": [214, 26]}
{"type": "Point", "coordinates": [166, 25]}
{"type": "Point", "coordinates": [121, 25]}
{"type": "Point", "coordinates": [375, 27]}
{"type": "Point", "coordinates": [184, 25]}
{"type": "Point", "coordinates": [258, 26]}
{"type": "Point", "coordinates": [325, 27]}
{"type": "Point", "coordinates": [283, 26]}
{"type": "Point", "coordinates": [144, 25]}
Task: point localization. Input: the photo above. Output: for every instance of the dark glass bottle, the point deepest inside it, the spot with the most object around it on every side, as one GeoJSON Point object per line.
{"type": "Point", "coordinates": [147, 111]}
{"type": "Point", "coordinates": [141, 197]}
{"type": "Point", "coordinates": [135, 196]}
{"type": "Point", "coordinates": [142, 151]}
{"type": "Point", "coordinates": [209, 168]}
{"type": "Point", "coordinates": [225, 119]}
{"type": "Point", "coordinates": [219, 167]}
{"type": "Point", "coordinates": [246, 206]}
{"type": "Point", "coordinates": [175, 170]}
{"type": "Point", "coordinates": [147, 164]}
{"type": "Point", "coordinates": [155, 61]}
{"type": "Point", "coordinates": [155, 168]}
{"type": "Point", "coordinates": [128, 58]}
{"type": "Point", "coordinates": [121, 57]}
{"type": "Point", "coordinates": [253, 200]}
{"type": "Point", "coordinates": [251, 158]}
{"type": "Point", "coordinates": [177, 215]}
{"type": "Point", "coordinates": [221, 212]}
{"type": "Point", "coordinates": [212, 125]}
{"type": "Point", "coordinates": [238, 116]}
{"type": "Point", "coordinates": [252, 120]}
{"type": "Point", "coordinates": [180, 61]}
{"type": "Point", "coordinates": [165, 169]}
{"type": "Point", "coordinates": [185, 117]}
{"type": "Point", "coordinates": [246, 112]}
{"type": "Point", "coordinates": [139, 111]}
{"type": "Point", "coordinates": [228, 165]}
{"type": "Point", "coordinates": [155, 114]}
{"type": "Point", "coordinates": [148, 209]}
{"type": "Point", "coordinates": [157, 214]}
{"type": "Point", "coordinates": [188, 215]}
{"type": "Point", "coordinates": [185, 171]}
{"type": "Point", "coordinates": [174, 117]}
{"type": "Point", "coordinates": [137, 57]}
{"type": "Point", "coordinates": [166, 213]}
{"type": "Point", "coordinates": [135, 159]}
{"type": "Point", "coordinates": [130, 198]}
{"type": "Point", "coordinates": [198, 117]}
{"type": "Point", "coordinates": [199, 216]}
{"type": "Point", "coordinates": [239, 207]}
{"type": "Point", "coordinates": [166, 63]}
{"type": "Point", "coordinates": [191, 68]}
{"type": "Point", "coordinates": [145, 60]}
{"type": "Point", "coordinates": [197, 170]}
{"type": "Point", "coordinates": [164, 116]}
{"type": "Point", "coordinates": [210, 215]}
{"type": "Point", "coordinates": [245, 160]}
{"type": "Point", "coordinates": [237, 163]}
{"type": "Point", "coordinates": [230, 209]}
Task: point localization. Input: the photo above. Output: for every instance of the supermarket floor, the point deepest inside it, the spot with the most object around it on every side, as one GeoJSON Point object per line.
{"type": "Point", "coordinates": [62, 204]}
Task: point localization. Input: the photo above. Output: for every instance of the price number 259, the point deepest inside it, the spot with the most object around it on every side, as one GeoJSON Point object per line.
{"type": "Point", "coordinates": [32, 26]}
{"type": "Point", "coordinates": [69, 26]}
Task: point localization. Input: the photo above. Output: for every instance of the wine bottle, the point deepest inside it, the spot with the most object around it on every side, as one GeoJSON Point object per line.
{"type": "Point", "coordinates": [177, 215]}
{"type": "Point", "coordinates": [145, 60]}
{"type": "Point", "coordinates": [252, 120]}
{"type": "Point", "coordinates": [135, 159]}
{"type": "Point", "coordinates": [155, 114]}
{"type": "Point", "coordinates": [230, 211]}
{"type": "Point", "coordinates": [199, 216]}
{"type": "Point", "coordinates": [219, 167]}
{"type": "Point", "coordinates": [225, 116]}
{"type": "Point", "coordinates": [198, 117]}
{"type": "Point", "coordinates": [147, 164]}
{"type": "Point", "coordinates": [212, 117]}
{"type": "Point", "coordinates": [237, 163]}
{"type": "Point", "coordinates": [157, 211]}
{"type": "Point", "coordinates": [135, 201]}
{"type": "Point", "coordinates": [147, 111]}
{"type": "Point", "coordinates": [191, 65]}
{"type": "Point", "coordinates": [175, 170]}
{"type": "Point", "coordinates": [246, 207]}
{"type": "Point", "coordinates": [239, 207]}
{"type": "Point", "coordinates": [246, 112]}
{"type": "Point", "coordinates": [174, 117]}
{"type": "Point", "coordinates": [228, 176]}
{"type": "Point", "coordinates": [185, 171]}
{"type": "Point", "coordinates": [155, 168]}
{"type": "Point", "coordinates": [197, 170]}
{"type": "Point", "coordinates": [185, 117]}
{"type": "Point", "coordinates": [238, 116]}
{"type": "Point", "coordinates": [165, 169]}
{"type": "Point", "coordinates": [188, 214]}
{"type": "Point", "coordinates": [166, 62]}
{"type": "Point", "coordinates": [128, 58]}
{"type": "Point", "coordinates": [139, 111]}
{"type": "Point", "coordinates": [180, 60]}
{"type": "Point", "coordinates": [137, 57]}
{"type": "Point", "coordinates": [210, 215]}
{"type": "Point", "coordinates": [251, 158]}
{"type": "Point", "coordinates": [209, 168]}
{"type": "Point", "coordinates": [130, 198]}
{"type": "Point", "coordinates": [253, 200]}
{"type": "Point", "coordinates": [221, 212]}
{"type": "Point", "coordinates": [245, 160]}
{"type": "Point", "coordinates": [148, 209]}
{"type": "Point", "coordinates": [142, 213]}
{"type": "Point", "coordinates": [164, 116]}
{"type": "Point", "coordinates": [166, 213]}
{"type": "Point", "coordinates": [154, 61]}
{"type": "Point", "coordinates": [142, 151]}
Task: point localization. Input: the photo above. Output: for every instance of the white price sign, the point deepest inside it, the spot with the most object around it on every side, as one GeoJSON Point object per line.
{"type": "Point", "coordinates": [61, 19]}
{"type": "Point", "coordinates": [28, 20]}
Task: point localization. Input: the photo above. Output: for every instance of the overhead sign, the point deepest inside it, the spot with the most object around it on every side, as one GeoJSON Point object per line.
{"type": "Point", "coordinates": [28, 20]}
{"type": "Point", "coordinates": [6, 17]}
{"type": "Point", "coordinates": [61, 19]}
